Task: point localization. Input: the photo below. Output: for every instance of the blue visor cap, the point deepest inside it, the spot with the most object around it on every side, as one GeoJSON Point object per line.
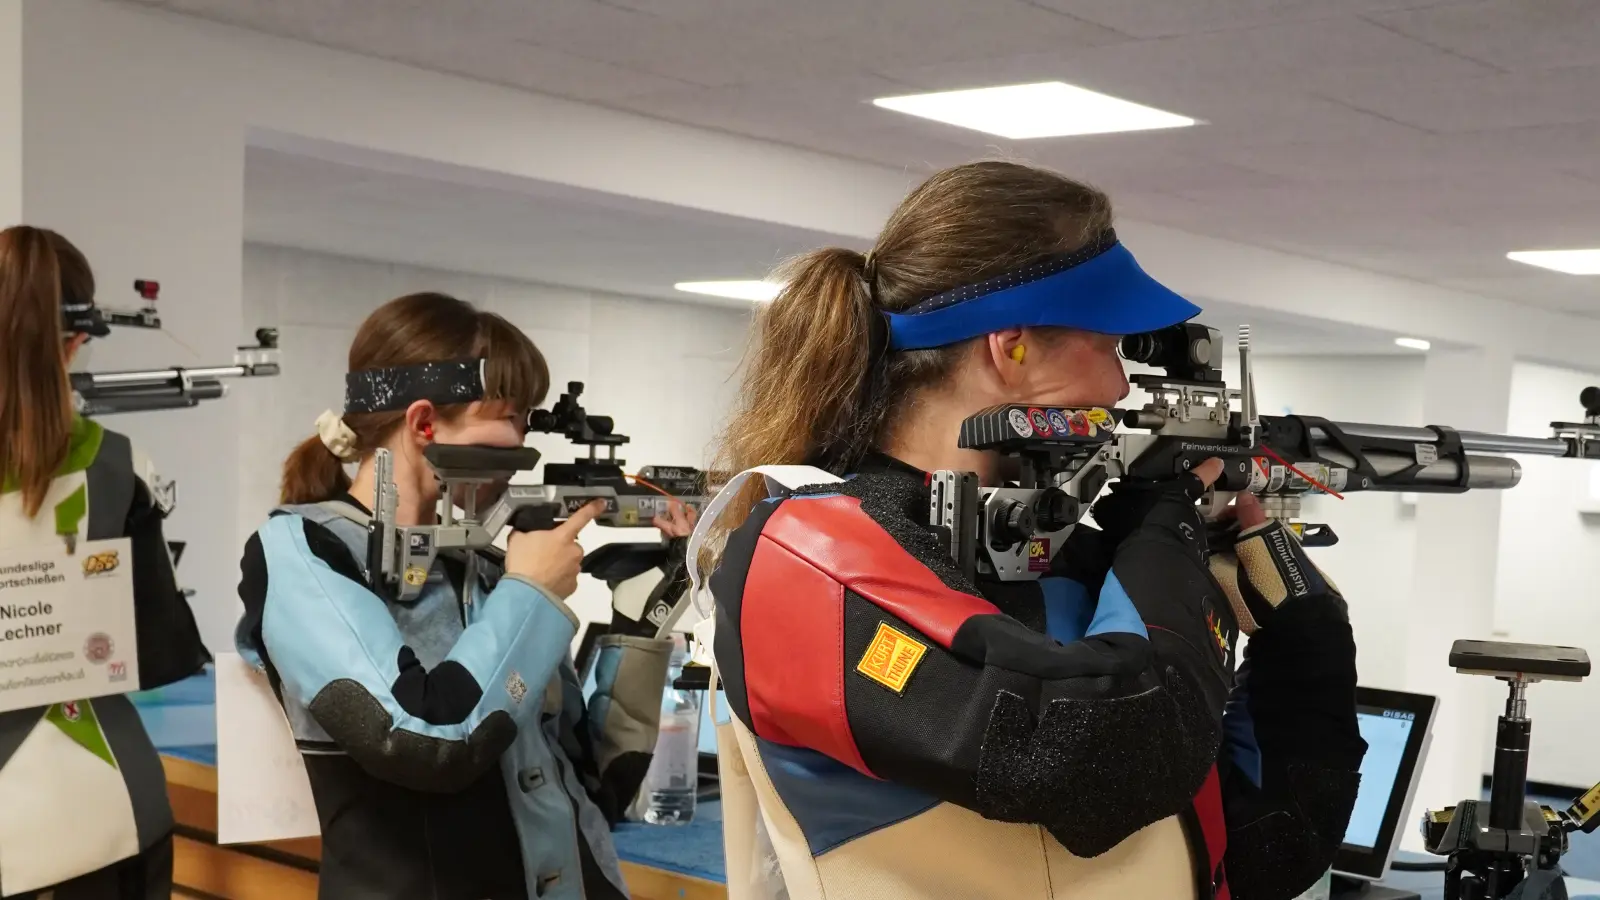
{"type": "Point", "coordinates": [1099, 288]}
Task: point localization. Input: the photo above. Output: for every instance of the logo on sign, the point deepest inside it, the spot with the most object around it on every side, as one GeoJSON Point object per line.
{"type": "Point", "coordinates": [1038, 554]}
{"type": "Point", "coordinates": [97, 649]}
{"type": "Point", "coordinates": [1041, 422]}
{"type": "Point", "coordinates": [102, 563]}
{"type": "Point", "coordinates": [117, 671]}
{"type": "Point", "coordinates": [1019, 423]}
{"type": "Point", "coordinates": [1058, 423]}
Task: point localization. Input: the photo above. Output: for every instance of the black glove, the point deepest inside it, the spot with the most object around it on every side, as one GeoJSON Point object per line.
{"type": "Point", "coordinates": [1165, 506]}
{"type": "Point", "coordinates": [1085, 557]}
{"type": "Point", "coordinates": [667, 601]}
{"type": "Point", "coordinates": [1267, 568]}
{"type": "Point", "coordinates": [1160, 563]}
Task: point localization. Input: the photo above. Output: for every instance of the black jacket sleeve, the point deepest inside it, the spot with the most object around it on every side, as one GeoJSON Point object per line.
{"type": "Point", "coordinates": [936, 690]}
{"type": "Point", "coordinates": [1293, 751]}
{"type": "Point", "coordinates": [170, 648]}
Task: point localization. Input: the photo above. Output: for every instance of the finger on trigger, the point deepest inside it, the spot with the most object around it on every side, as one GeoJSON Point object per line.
{"type": "Point", "coordinates": [1209, 471]}
{"type": "Point", "coordinates": [1248, 510]}
{"type": "Point", "coordinates": [582, 516]}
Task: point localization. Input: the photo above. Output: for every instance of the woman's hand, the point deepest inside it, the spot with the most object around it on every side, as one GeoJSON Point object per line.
{"type": "Point", "coordinates": [551, 559]}
{"type": "Point", "coordinates": [678, 522]}
{"type": "Point", "coordinates": [1266, 567]}
{"type": "Point", "coordinates": [1169, 503]}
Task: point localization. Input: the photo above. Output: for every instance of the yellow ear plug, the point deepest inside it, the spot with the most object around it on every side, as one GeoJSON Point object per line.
{"type": "Point", "coordinates": [1018, 352]}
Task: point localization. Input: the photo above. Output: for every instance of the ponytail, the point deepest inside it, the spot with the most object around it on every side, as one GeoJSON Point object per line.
{"type": "Point", "coordinates": [312, 474]}
{"type": "Point", "coordinates": [36, 411]}
{"type": "Point", "coordinates": [804, 398]}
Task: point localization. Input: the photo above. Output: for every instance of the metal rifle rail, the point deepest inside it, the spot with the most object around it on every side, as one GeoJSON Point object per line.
{"type": "Point", "coordinates": [179, 387]}
{"type": "Point", "coordinates": [1065, 457]}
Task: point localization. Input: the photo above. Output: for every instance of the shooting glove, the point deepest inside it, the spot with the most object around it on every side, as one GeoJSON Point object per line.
{"type": "Point", "coordinates": [1170, 505]}
{"type": "Point", "coordinates": [1085, 557]}
{"type": "Point", "coordinates": [1267, 568]}
{"type": "Point", "coordinates": [664, 605]}
{"type": "Point", "coordinates": [1160, 563]}
{"type": "Point", "coordinates": [1154, 508]}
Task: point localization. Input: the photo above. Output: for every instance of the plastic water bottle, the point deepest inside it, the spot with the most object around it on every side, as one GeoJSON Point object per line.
{"type": "Point", "coordinates": [674, 774]}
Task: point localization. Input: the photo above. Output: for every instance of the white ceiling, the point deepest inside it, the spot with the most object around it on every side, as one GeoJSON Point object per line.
{"type": "Point", "coordinates": [593, 241]}
{"type": "Point", "coordinates": [1421, 138]}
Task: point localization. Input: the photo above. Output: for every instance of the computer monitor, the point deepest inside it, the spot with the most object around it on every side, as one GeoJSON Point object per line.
{"type": "Point", "coordinates": [1397, 728]}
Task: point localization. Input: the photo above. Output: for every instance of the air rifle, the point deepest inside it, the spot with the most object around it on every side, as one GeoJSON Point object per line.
{"type": "Point", "coordinates": [1066, 456]}
{"type": "Point", "coordinates": [400, 557]}
{"type": "Point", "coordinates": [106, 393]}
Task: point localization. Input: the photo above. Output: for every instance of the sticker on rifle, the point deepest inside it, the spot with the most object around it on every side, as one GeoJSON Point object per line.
{"type": "Point", "coordinates": [891, 658]}
{"type": "Point", "coordinates": [1041, 422]}
{"type": "Point", "coordinates": [1038, 554]}
{"type": "Point", "coordinates": [1019, 423]}
{"type": "Point", "coordinates": [1058, 422]}
{"type": "Point", "coordinates": [1100, 417]}
{"type": "Point", "coordinates": [1080, 424]}
{"type": "Point", "coordinates": [1427, 454]}
{"type": "Point", "coordinates": [416, 576]}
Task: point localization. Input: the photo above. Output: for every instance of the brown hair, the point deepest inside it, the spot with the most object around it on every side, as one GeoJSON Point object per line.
{"type": "Point", "coordinates": [414, 329]}
{"type": "Point", "coordinates": [805, 396]}
{"type": "Point", "coordinates": [36, 267]}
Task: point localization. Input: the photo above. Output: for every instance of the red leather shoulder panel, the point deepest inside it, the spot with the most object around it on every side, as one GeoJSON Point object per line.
{"type": "Point", "coordinates": [836, 536]}
{"type": "Point", "coordinates": [792, 631]}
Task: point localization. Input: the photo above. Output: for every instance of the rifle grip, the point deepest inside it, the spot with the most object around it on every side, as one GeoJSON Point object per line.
{"type": "Point", "coordinates": [540, 517]}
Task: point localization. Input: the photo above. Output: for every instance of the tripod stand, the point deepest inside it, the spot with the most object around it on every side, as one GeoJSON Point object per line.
{"type": "Point", "coordinates": [1508, 848]}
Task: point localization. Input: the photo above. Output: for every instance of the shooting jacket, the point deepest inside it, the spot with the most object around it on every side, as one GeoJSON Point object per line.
{"type": "Point", "coordinates": [450, 751]}
{"type": "Point", "coordinates": [898, 731]}
{"type": "Point", "coordinates": [81, 786]}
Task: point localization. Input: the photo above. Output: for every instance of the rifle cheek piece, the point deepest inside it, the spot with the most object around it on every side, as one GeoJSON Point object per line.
{"type": "Point", "coordinates": [400, 558]}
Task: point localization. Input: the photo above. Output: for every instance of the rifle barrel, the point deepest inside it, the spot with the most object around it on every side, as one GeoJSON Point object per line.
{"type": "Point", "coordinates": [1471, 441]}
{"type": "Point", "coordinates": [164, 376]}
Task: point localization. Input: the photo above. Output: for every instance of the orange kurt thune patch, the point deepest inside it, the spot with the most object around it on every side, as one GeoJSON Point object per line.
{"type": "Point", "coordinates": [891, 658]}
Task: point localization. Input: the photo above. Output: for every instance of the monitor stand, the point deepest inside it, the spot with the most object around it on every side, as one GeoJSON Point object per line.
{"type": "Point", "coordinates": [1356, 889]}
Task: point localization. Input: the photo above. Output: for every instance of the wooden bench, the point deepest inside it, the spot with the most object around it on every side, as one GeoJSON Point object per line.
{"type": "Point", "coordinates": [287, 870]}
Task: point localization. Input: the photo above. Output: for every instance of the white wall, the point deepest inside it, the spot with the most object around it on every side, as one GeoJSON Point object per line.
{"type": "Point", "coordinates": [10, 112]}
{"type": "Point", "coordinates": [1548, 585]}
{"type": "Point", "coordinates": [663, 370]}
{"type": "Point", "coordinates": [1372, 563]}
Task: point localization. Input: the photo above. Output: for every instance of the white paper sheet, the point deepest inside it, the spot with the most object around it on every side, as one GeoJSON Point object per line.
{"type": "Point", "coordinates": [262, 790]}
